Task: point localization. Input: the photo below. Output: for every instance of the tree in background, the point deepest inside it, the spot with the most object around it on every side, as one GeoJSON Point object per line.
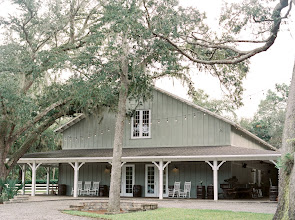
{"type": "Point", "coordinates": [38, 41]}
{"type": "Point", "coordinates": [268, 121]}
{"type": "Point", "coordinates": [222, 107]}
{"type": "Point", "coordinates": [219, 52]}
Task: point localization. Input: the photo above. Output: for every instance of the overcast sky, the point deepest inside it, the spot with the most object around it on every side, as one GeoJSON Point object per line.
{"type": "Point", "coordinates": [266, 69]}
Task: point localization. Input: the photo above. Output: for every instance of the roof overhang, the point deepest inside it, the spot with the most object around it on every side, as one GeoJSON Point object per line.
{"type": "Point", "coordinates": [151, 158]}
{"type": "Point", "coordinates": [219, 153]}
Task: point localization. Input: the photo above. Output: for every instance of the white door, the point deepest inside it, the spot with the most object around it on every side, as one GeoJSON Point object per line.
{"type": "Point", "coordinates": [128, 180]}
{"type": "Point", "coordinates": [152, 181]}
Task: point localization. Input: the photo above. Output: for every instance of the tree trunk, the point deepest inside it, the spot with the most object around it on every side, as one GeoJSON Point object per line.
{"type": "Point", "coordinates": [3, 170]}
{"type": "Point", "coordinates": [286, 204]}
{"type": "Point", "coordinates": [114, 197]}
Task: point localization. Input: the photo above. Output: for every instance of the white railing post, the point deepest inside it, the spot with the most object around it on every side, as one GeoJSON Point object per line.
{"type": "Point", "coordinates": [47, 180]}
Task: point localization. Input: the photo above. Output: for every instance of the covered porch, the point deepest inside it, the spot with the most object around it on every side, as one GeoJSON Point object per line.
{"type": "Point", "coordinates": [155, 169]}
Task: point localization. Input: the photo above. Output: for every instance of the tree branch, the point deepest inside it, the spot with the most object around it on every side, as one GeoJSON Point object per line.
{"type": "Point", "coordinates": [240, 55]}
{"type": "Point", "coordinates": [30, 140]}
{"type": "Point", "coordinates": [37, 119]}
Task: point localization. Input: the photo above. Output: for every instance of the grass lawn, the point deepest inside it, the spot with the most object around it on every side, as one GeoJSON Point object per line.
{"type": "Point", "coordinates": [174, 213]}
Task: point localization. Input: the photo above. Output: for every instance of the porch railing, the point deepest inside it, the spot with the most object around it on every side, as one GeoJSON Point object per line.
{"type": "Point", "coordinates": [40, 188]}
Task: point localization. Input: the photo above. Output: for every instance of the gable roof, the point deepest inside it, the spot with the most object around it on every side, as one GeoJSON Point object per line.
{"type": "Point", "coordinates": [235, 125]}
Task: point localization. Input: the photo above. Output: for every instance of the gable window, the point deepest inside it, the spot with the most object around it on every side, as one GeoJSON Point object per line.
{"type": "Point", "coordinates": [140, 124]}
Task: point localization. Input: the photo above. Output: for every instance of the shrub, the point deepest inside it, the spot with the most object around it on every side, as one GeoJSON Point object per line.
{"type": "Point", "coordinates": [9, 189]}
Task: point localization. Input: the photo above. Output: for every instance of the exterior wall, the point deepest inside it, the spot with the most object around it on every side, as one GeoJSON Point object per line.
{"type": "Point", "coordinates": [88, 172]}
{"type": "Point", "coordinates": [187, 171]}
{"type": "Point", "coordinates": [186, 126]}
{"type": "Point", "coordinates": [244, 175]}
{"type": "Point", "coordinates": [240, 139]}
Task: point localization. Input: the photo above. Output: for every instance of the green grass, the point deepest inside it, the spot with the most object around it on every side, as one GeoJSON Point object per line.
{"type": "Point", "coordinates": [175, 213]}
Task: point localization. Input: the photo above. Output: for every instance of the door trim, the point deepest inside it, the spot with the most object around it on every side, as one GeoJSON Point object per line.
{"type": "Point", "coordinates": [123, 180]}
{"type": "Point", "coordinates": [156, 179]}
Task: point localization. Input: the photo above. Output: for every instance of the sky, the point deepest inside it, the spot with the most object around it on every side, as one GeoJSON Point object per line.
{"type": "Point", "coordinates": [266, 69]}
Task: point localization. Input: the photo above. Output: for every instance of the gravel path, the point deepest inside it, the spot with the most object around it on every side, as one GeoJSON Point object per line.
{"type": "Point", "coordinates": [43, 208]}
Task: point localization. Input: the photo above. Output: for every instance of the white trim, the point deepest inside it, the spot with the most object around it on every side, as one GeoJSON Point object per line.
{"type": "Point", "coordinates": [156, 180]}
{"type": "Point", "coordinates": [219, 165]}
{"type": "Point", "coordinates": [275, 163]}
{"type": "Point", "coordinates": [70, 123]}
{"type": "Point", "coordinates": [166, 164]}
{"type": "Point", "coordinates": [140, 125]}
{"type": "Point", "coordinates": [153, 158]}
{"type": "Point", "coordinates": [123, 184]}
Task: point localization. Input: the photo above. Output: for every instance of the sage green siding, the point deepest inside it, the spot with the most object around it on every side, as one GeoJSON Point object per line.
{"type": "Point", "coordinates": [187, 171]}
{"type": "Point", "coordinates": [240, 139]}
{"type": "Point", "coordinates": [186, 126]}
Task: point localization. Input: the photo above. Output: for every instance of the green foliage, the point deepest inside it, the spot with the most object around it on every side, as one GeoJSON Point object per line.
{"type": "Point", "coordinates": [221, 107]}
{"type": "Point", "coordinates": [9, 188]}
{"type": "Point", "coordinates": [268, 121]}
{"type": "Point", "coordinates": [286, 162]}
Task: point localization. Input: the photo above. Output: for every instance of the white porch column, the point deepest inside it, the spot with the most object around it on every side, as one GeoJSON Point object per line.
{"type": "Point", "coordinates": [276, 165]}
{"type": "Point", "coordinates": [23, 168]}
{"type": "Point", "coordinates": [215, 167]}
{"type": "Point", "coordinates": [47, 180]}
{"type": "Point", "coordinates": [76, 176]}
{"type": "Point", "coordinates": [34, 168]}
{"type": "Point", "coordinates": [259, 178]}
{"type": "Point", "coordinates": [161, 180]}
{"type": "Point", "coordinates": [161, 168]}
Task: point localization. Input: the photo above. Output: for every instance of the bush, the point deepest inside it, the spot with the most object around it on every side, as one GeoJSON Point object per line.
{"type": "Point", "coordinates": [9, 189]}
{"type": "Point", "coordinates": [55, 181]}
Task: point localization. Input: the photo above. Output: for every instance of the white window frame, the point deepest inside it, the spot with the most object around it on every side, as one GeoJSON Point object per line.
{"type": "Point", "coordinates": [140, 125]}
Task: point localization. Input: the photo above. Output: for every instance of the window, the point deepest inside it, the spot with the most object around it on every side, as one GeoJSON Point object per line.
{"type": "Point", "coordinates": [140, 124]}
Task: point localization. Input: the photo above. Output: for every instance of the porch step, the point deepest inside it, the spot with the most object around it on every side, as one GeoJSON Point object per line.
{"type": "Point", "coordinates": [18, 199]}
{"type": "Point", "coordinates": [23, 197]}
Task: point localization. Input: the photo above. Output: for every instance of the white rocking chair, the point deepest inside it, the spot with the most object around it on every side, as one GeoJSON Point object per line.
{"type": "Point", "coordinates": [186, 190]}
{"type": "Point", "coordinates": [95, 189]}
{"type": "Point", "coordinates": [79, 188]}
{"type": "Point", "coordinates": [87, 187]}
{"type": "Point", "coordinates": [176, 189]}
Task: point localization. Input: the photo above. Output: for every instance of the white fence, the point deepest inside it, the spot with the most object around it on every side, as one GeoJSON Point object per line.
{"type": "Point", "coordinates": [40, 188]}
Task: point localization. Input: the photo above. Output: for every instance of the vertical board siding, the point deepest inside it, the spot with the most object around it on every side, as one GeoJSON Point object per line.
{"type": "Point", "coordinates": [187, 171]}
{"type": "Point", "coordinates": [240, 139]}
{"type": "Point", "coordinates": [197, 172]}
{"type": "Point", "coordinates": [199, 128]}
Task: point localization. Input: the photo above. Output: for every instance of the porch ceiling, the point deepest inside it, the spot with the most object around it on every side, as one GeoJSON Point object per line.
{"type": "Point", "coordinates": [199, 153]}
